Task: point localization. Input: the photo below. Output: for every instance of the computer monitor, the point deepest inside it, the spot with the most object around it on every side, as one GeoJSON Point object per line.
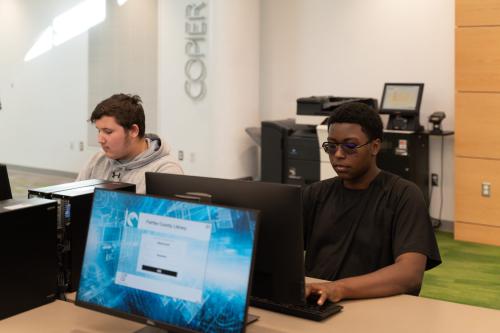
{"type": "Point", "coordinates": [176, 265]}
{"type": "Point", "coordinates": [5, 192]}
{"type": "Point", "coordinates": [401, 101]}
{"type": "Point", "coordinates": [279, 264]}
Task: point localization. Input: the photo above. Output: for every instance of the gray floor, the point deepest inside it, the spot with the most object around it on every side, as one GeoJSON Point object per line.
{"type": "Point", "coordinates": [22, 179]}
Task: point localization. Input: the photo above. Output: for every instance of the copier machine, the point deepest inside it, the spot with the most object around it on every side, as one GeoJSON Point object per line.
{"type": "Point", "coordinates": [291, 148]}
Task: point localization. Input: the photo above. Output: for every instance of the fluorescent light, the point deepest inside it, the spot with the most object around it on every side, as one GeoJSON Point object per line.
{"type": "Point", "coordinates": [121, 2]}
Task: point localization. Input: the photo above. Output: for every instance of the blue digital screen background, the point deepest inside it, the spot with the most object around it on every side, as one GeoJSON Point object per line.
{"type": "Point", "coordinates": [227, 270]}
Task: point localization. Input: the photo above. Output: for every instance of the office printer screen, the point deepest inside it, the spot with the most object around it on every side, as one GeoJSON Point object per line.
{"type": "Point", "coordinates": [180, 264]}
{"type": "Point", "coordinates": [401, 97]}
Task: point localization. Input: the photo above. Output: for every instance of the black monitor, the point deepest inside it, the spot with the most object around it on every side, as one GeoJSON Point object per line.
{"type": "Point", "coordinates": [5, 192]}
{"type": "Point", "coordinates": [279, 264]}
{"type": "Point", "coordinates": [401, 101]}
{"type": "Point", "coordinates": [177, 265]}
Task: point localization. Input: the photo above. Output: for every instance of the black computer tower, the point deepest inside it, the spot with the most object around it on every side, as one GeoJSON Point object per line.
{"type": "Point", "coordinates": [407, 155]}
{"type": "Point", "coordinates": [28, 247]}
{"type": "Point", "coordinates": [74, 205]}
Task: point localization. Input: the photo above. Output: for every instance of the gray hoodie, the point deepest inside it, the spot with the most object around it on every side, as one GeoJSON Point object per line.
{"type": "Point", "coordinates": [155, 159]}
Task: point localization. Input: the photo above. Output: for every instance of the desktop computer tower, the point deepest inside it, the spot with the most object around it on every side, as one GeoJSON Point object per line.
{"type": "Point", "coordinates": [407, 155]}
{"type": "Point", "coordinates": [73, 215]}
{"type": "Point", "coordinates": [28, 248]}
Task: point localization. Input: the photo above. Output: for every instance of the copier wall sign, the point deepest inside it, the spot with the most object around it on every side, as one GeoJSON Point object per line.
{"type": "Point", "coordinates": [195, 69]}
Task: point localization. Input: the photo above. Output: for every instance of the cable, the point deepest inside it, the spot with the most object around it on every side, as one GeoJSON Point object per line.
{"type": "Point", "coordinates": [442, 182]}
{"type": "Point", "coordinates": [430, 196]}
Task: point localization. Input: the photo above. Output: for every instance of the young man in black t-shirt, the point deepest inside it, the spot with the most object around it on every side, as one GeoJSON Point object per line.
{"type": "Point", "coordinates": [368, 231]}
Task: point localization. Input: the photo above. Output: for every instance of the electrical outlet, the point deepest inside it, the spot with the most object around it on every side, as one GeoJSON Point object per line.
{"type": "Point", "coordinates": [180, 155]}
{"type": "Point", "coordinates": [435, 179]}
{"type": "Point", "coordinates": [81, 146]}
{"type": "Point", "coordinates": [486, 189]}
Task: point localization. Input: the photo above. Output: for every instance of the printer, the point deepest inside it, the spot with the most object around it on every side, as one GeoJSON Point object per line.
{"type": "Point", "coordinates": [291, 148]}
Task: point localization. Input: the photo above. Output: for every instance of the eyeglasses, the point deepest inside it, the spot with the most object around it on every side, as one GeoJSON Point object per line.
{"type": "Point", "coordinates": [347, 147]}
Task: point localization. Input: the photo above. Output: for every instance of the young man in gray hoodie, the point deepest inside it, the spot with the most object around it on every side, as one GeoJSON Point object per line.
{"type": "Point", "coordinates": [127, 152]}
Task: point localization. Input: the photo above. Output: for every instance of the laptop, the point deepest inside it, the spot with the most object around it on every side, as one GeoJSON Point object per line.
{"type": "Point", "coordinates": [171, 264]}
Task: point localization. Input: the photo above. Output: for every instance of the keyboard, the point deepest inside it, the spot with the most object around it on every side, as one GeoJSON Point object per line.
{"type": "Point", "coordinates": [310, 310]}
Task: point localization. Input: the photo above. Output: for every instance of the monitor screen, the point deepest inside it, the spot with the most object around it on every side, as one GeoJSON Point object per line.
{"type": "Point", "coordinates": [173, 264]}
{"type": "Point", "coordinates": [5, 192]}
{"type": "Point", "coordinates": [402, 98]}
{"type": "Point", "coordinates": [279, 264]}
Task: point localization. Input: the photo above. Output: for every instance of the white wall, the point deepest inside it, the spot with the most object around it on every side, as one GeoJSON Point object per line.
{"type": "Point", "coordinates": [211, 131]}
{"type": "Point", "coordinates": [351, 48]}
{"type": "Point", "coordinates": [123, 58]}
{"type": "Point", "coordinates": [44, 101]}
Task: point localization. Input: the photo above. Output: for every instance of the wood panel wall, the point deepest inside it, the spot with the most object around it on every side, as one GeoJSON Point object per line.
{"type": "Point", "coordinates": [477, 115]}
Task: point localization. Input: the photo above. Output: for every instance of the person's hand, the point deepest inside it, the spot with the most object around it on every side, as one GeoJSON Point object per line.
{"type": "Point", "coordinates": [326, 290]}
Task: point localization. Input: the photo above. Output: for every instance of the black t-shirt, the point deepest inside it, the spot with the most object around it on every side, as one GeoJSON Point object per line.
{"type": "Point", "coordinates": [355, 232]}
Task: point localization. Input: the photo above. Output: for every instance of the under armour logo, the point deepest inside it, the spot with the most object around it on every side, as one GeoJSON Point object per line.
{"type": "Point", "coordinates": [115, 175]}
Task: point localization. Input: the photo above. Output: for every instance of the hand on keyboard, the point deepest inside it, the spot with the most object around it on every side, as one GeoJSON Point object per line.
{"type": "Point", "coordinates": [315, 299]}
{"type": "Point", "coordinates": [325, 290]}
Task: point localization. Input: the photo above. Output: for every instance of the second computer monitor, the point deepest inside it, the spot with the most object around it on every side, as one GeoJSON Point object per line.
{"type": "Point", "coordinates": [401, 101]}
{"type": "Point", "coordinates": [5, 192]}
{"type": "Point", "coordinates": [402, 98]}
{"type": "Point", "coordinates": [279, 264]}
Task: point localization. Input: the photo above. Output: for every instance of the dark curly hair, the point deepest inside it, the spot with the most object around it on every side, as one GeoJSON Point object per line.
{"type": "Point", "coordinates": [361, 114]}
{"type": "Point", "coordinates": [125, 108]}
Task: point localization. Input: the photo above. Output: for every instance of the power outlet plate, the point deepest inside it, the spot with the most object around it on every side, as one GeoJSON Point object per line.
{"type": "Point", "coordinates": [486, 189]}
{"type": "Point", "coordinates": [435, 179]}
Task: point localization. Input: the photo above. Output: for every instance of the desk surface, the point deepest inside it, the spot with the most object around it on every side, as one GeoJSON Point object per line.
{"type": "Point", "coordinates": [393, 314]}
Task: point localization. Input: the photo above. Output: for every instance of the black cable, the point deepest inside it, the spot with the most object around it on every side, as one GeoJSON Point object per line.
{"type": "Point", "coordinates": [430, 196]}
{"type": "Point", "coordinates": [442, 180]}
{"type": "Point", "coordinates": [441, 185]}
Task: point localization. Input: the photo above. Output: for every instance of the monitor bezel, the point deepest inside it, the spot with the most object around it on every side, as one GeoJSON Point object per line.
{"type": "Point", "coordinates": [159, 324]}
{"type": "Point", "coordinates": [402, 112]}
{"type": "Point", "coordinates": [5, 189]}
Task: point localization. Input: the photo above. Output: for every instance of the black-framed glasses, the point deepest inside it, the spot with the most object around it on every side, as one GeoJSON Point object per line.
{"type": "Point", "coordinates": [347, 147]}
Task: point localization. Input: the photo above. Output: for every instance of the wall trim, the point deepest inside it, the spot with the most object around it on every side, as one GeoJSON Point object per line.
{"type": "Point", "coordinates": [445, 225]}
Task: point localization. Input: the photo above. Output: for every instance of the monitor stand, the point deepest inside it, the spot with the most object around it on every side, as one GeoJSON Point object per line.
{"type": "Point", "coordinates": [251, 318]}
{"type": "Point", "coordinates": [404, 123]}
{"type": "Point", "coordinates": [150, 329]}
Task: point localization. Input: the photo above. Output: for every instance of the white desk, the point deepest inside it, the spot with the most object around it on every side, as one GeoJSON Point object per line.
{"type": "Point", "coordinates": [403, 313]}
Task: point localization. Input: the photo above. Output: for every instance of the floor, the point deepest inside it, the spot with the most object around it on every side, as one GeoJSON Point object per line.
{"type": "Point", "coordinates": [469, 274]}
{"type": "Point", "coordinates": [22, 180]}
